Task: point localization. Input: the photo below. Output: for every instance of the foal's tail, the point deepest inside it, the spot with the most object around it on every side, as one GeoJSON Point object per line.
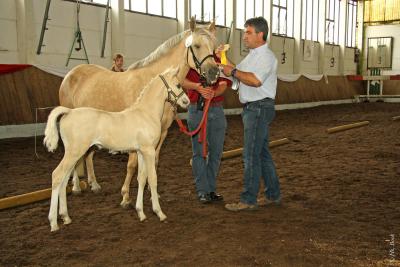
{"type": "Point", "coordinates": [51, 132]}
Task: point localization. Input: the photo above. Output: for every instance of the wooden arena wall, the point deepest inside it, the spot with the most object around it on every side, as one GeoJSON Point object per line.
{"type": "Point", "coordinates": [391, 87]}
{"type": "Point", "coordinates": [23, 91]}
{"type": "Point", "coordinates": [305, 90]}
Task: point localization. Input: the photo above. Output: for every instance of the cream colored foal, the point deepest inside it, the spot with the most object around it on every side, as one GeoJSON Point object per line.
{"type": "Point", "coordinates": [137, 128]}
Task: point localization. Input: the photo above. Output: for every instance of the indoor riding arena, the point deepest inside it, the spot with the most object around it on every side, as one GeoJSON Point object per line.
{"type": "Point", "coordinates": [335, 139]}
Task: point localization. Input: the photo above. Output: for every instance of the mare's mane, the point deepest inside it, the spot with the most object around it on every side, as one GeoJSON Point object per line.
{"type": "Point", "coordinates": [165, 47]}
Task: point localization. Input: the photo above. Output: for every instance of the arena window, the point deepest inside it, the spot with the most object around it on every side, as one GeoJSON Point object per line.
{"type": "Point", "coordinates": [351, 23]}
{"type": "Point", "coordinates": [282, 17]}
{"type": "Point", "coordinates": [309, 19]}
{"type": "Point", "coordinates": [246, 9]}
{"type": "Point", "coordinates": [206, 10]}
{"type": "Point", "coordinates": [332, 21]}
{"type": "Point", "coordinates": [163, 8]}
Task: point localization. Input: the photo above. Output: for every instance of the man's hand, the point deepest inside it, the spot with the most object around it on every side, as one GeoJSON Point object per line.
{"type": "Point", "coordinates": [226, 69]}
{"type": "Point", "coordinates": [206, 92]}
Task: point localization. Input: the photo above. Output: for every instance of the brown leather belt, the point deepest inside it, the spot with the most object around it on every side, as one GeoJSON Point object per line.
{"type": "Point", "coordinates": [264, 99]}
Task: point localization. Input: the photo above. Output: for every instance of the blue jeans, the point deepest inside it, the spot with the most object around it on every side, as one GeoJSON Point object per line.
{"type": "Point", "coordinates": [205, 170]}
{"type": "Point", "coordinates": [258, 162]}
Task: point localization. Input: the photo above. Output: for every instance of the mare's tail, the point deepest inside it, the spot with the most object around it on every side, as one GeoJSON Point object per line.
{"type": "Point", "coordinates": [51, 132]}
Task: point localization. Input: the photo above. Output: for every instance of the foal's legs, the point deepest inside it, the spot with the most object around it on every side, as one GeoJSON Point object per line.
{"type": "Point", "coordinates": [95, 187]}
{"type": "Point", "coordinates": [90, 172]}
{"type": "Point", "coordinates": [142, 175]}
{"type": "Point", "coordinates": [130, 170]}
{"type": "Point", "coordinates": [63, 210]}
{"type": "Point", "coordinates": [60, 178]}
{"type": "Point", "coordinates": [76, 188]}
{"type": "Point", "coordinates": [149, 161]}
{"type": "Point", "coordinates": [167, 119]}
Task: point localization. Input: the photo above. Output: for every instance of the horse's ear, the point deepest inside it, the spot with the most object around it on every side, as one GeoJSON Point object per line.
{"type": "Point", "coordinates": [192, 23]}
{"type": "Point", "coordinates": [211, 27]}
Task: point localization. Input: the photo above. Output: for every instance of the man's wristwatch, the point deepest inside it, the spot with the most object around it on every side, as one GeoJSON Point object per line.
{"type": "Point", "coordinates": [233, 72]}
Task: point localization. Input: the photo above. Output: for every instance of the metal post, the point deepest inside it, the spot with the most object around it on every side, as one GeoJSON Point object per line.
{"type": "Point", "coordinates": [371, 72]}
{"type": "Point", "coordinates": [44, 28]}
{"type": "Point", "coordinates": [106, 20]}
{"type": "Point", "coordinates": [228, 37]}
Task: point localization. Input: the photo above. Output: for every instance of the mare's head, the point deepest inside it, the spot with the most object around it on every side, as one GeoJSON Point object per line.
{"type": "Point", "coordinates": [201, 43]}
{"type": "Point", "coordinates": [176, 95]}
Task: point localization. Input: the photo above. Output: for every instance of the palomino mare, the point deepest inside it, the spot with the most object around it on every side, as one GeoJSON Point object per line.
{"type": "Point", "coordinates": [94, 86]}
{"type": "Point", "coordinates": [137, 128]}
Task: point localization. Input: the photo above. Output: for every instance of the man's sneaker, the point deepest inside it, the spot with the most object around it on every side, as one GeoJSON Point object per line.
{"type": "Point", "coordinates": [216, 197]}
{"type": "Point", "coordinates": [204, 198]}
{"type": "Point", "coordinates": [263, 202]}
{"type": "Point", "coordinates": [240, 207]}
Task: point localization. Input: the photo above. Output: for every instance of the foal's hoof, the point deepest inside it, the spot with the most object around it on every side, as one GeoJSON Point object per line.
{"type": "Point", "coordinates": [54, 228]}
{"type": "Point", "coordinates": [163, 217]}
{"type": "Point", "coordinates": [126, 204]}
{"type": "Point", "coordinates": [142, 218]}
{"type": "Point", "coordinates": [140, 214]}
{"type": "Point", "coordinates": [67, 220]}
{"type": "Point", "coordinates": [95, 187]}
{"type": "Point", "coordinates": [96, 190]}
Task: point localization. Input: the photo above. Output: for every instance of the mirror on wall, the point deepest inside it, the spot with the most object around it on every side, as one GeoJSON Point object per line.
{"type": "Point", "coordinates": [379, 52]}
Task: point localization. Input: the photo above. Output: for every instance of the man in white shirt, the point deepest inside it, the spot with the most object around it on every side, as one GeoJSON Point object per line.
{"type": "Point", "coordinates": [257, 90]}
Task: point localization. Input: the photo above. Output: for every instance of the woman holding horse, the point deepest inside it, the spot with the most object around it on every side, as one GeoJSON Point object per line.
{"type": "Point", "coordinates": [205, 170]}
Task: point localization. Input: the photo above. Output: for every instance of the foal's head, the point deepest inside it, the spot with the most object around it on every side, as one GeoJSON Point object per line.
{"type": "Point", "coordinates": [201, 43]}
{"type": "Point", "coordinates": [176, 95]}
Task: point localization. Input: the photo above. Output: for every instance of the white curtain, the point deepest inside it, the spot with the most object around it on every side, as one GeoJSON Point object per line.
{"type": "Point", "coordinates": [295, 77]}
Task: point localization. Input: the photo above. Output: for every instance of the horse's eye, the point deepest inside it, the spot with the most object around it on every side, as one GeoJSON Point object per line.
{"type": "Point", "coordinates": [179, 86]}
{"type": "Point", "coordinates": [197, 46]}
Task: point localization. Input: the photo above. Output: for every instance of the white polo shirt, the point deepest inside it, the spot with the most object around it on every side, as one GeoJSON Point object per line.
{"type": "Point", "coordinates": [262, 62]}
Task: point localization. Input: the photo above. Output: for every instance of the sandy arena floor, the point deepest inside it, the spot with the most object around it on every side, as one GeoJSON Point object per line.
{"type": "Point", "coordinates": [341, 202]}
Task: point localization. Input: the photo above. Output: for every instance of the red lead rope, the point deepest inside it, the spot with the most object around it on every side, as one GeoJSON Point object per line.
{"type": "Point", "coordinates": [202, 128]}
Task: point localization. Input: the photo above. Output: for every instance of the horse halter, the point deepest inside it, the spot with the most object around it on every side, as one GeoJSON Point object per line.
{"type": "Point", "coordinates": [172, 97]}
{"type": "Point", "coordinates": [197, 63]}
